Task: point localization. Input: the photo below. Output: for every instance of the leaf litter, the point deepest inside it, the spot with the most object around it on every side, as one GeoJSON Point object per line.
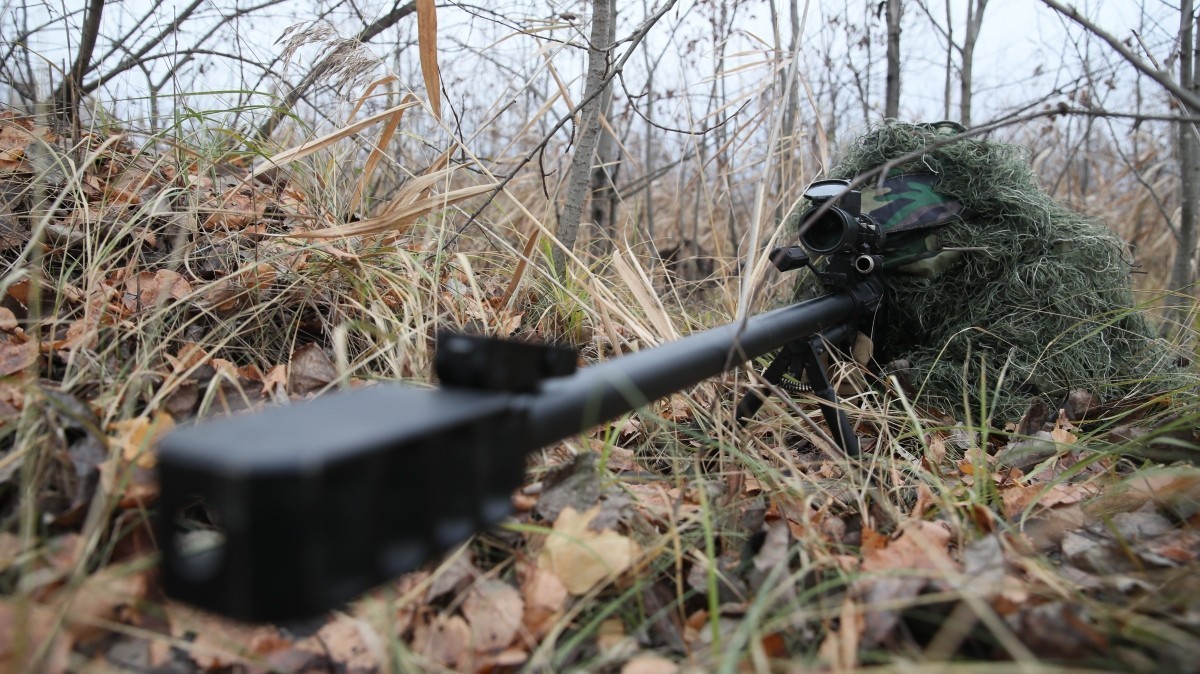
{"type": "Point", "coordinates": [1043, 543]}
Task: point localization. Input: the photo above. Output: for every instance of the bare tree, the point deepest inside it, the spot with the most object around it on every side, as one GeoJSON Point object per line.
{"type": "Point", "coordinates": [589, 131]}
{"type": "Point", "coordinates": [1182, 270]}
{"type": "Point", "coordinates": [891, 108]}
{"type": "Point", "coordinates": [967, 52]}
{"type": "Point", "coordinates": [649, 140]}
{"type": "Point", "coordinates": [69, 92]}
{"type": "Point", "coordinates": [603, 192]}
{"type": "Point", "coordinates": [1186, 91]}
{"type": "Point", "coordinates": [949, 34]}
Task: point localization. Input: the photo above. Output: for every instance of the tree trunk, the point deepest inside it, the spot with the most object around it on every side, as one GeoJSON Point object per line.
{"type": "Point", "coordinates": [892, 101]}
{"type": "Point", "coordinates": [947, 90]}
{"type": "Point", "coordinates": [66, 98]}
{"type": "Point", "coordinates": [789, 172]}
{"type": "Point", "coordinates": [603, 188]}
{"type": "Point", "coordinates": [648, 159]}
{"type": "Point", "coordinates": [1182, 273]}
{"type": "Point", "coordinates": [974, 22]}
{"type": "Point", "coordinates": [588, 133]}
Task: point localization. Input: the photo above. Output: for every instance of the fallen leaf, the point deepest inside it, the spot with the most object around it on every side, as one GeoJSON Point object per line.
{"type": "Point", "coordinates": [30, 640]}
{"type": "Point", "coordinates": [581, 557]}
{"type": "Point", "coordinates": [1018, 498]}
{"type": "Point", "coordinates": [137, 436]}
{"type": "Point", "coordinates": [545, 598]}
{"type": "Point", "coordinates": [99, 597]}
{"type": "Point", "coordinates": [189, 356]}
{"type": "Point", "coordinates": [233, 211]}
{"type": "Point", "coordinates": [149, 290]}
{"type": "Point", "coordinates": [217, 643]}
{"type": "Point", "coordinates": [310, 370]}
{"type": "Point", "coordinates": [1175, 487]}
{"type": "Point", "coordinates": [1058, 631]}
{"type": "Point", "coordinates": [444, 641]}
{"type": "Point", "coordinates": [917, 557]}
{"type": "Point", "coordinates": [452, 577]}
{"type": "Point", "coordinates": [493, 609]}
{"type": "Point", "coordinates": [16, 357]}
{"type": "Point", "coordinates": [275, 383]}
{"type": "Point", "coordinates": [351, 644]}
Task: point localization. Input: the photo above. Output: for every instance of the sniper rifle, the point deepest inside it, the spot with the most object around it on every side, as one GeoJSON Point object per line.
{"type": "Point", "coordinates": [319, 502]}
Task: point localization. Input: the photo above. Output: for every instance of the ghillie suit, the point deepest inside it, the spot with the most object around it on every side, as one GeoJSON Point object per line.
{"type": "Point", "coordinates": [1004, 294]}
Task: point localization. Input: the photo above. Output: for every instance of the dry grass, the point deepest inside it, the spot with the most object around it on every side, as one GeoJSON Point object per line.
{"type": "Point", "coordinates": [175, 276]}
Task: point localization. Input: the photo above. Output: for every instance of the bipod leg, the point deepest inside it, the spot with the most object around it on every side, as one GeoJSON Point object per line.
{"type": "Point", "coordinates": [810, 353]}
{"type": "Point", "coordinates": [749, 405]}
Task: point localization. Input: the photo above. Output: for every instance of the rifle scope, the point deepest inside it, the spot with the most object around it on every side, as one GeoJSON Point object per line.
{"type": "Point", "coordinates": [835, 222]}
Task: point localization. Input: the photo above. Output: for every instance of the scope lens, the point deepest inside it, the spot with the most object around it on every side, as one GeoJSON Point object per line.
{"type": "Point", "coordinates": [835, 230]}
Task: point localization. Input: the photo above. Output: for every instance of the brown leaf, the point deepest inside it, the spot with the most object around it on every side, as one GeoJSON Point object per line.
{"type": "Point", "coordinates": [8, 322]}
{"type": "Point", "coordinates": [1178, 547]}
{"type": "Point", "coordinates": [100, 596]}
{"type": "Point", "coordinates": [218, 643]}
{"type": "Point", "coordinates": [1058, 631]}
{"type": "Point", "coordinates": [16, 357]}
{"type": "Point", "coordinates": [275, 382]}
{"type": "Point", "coordinates": [1176, 487]}
{"type": "Point", "coordinates": [15, 137]}
{"type": "Point", "coordinates": [134, 486]}
{"type": "Point", "coordinates": [919, 546]}
{"type": "Point", "coordinates": [444, 641]}
{"type": "Point", "coordinates": [136, 437]}
{"type": "Point", "coordinates": [30, 639]}
{"type": "Point", "coordinates": [1018, 498]}
{"type": "Point", "coordinates": [188, 357]}
{"type": "Point", "coordinates": [649, 664]}
{"type": "Point", "coordinates": [493, 609]}
{"type": "Point", "coordinates": [584, 558]}
{"type": "Point", "coordinates": [233, 211]}
{"type": "Point", "coordinates": [351, 644]}
{"type": "Point", "coordinates": [452, 576]}
{"type": "Point", "coordinates": [310, 370]}
{"type": "Point", "coordinates": [427, 47]}
{"type": "Point", "coordinates": [149, 290]}
{"type": "Point", "coordinates": [545, 598]}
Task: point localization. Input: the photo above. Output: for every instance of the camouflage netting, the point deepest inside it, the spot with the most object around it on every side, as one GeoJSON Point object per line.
{"type": "Point", "coordinates": [1048, 301]}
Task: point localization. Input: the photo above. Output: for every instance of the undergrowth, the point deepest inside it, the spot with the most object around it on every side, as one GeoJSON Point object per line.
{"type": "Point", "coordinates": [153, 280]}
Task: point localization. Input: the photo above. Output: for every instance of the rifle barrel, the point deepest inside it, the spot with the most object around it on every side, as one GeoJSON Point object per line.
{"type": "Point", "coordinates": [565, 406]}
{"type": "Point", "coordinates": [318, 502]}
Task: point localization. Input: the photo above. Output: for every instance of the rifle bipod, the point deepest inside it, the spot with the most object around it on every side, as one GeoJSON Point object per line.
{"type": "Point", "coordinates": [802, 359]}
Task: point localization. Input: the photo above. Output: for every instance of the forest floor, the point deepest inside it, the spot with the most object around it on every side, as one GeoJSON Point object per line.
{"type": "Point", "coordinates": [149, 285]}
